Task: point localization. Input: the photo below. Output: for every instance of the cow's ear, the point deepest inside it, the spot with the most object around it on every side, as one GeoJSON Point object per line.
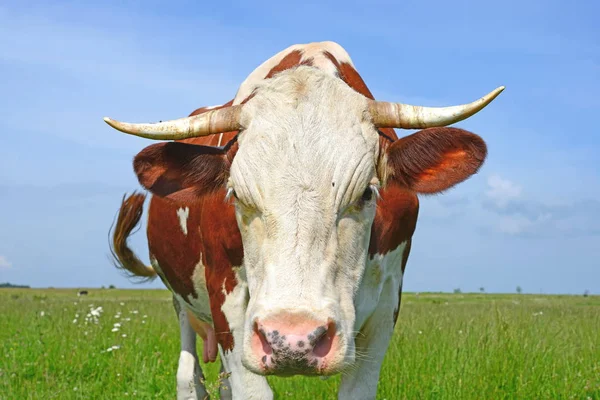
{"type": "Point", "coordinates": [435, 159]}
{"type": "Point", "coordinates": [181, 172]}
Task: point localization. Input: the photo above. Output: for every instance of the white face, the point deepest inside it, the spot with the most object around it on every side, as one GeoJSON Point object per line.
{"type": "Point", "coordinates": [305, 184]}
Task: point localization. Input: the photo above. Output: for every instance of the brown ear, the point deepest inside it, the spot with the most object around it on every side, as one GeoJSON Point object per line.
{"type": "Point", "coordinates": [181, 172]}
{"type": "Point", "coordinates": [435, 159]}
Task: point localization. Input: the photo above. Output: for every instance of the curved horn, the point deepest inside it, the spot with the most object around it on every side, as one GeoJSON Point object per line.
{"type": "Point", "coordinates": [398, 115]}
{"type": "Point", "coordinates": [214, 121]}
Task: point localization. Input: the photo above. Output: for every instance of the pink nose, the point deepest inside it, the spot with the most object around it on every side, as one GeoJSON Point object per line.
{"type": "Point", "coordinates": [289, 344]}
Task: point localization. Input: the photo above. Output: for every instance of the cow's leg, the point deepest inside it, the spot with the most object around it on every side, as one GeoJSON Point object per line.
{"type": "Point", "coordinates": [244, 384]}
{"type": "Point", "coordinates": [189, 373]}
{"type": "Point", "coordinates": [360, 382]}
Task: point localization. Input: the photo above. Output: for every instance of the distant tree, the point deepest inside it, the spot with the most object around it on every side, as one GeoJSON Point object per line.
{"type": "Point", "coordinates": [586, 293]}
{"type": "Point", "coordinates": [10, 285]}
{"type": "Point", "coordinates": [519, 290]}
{"type": "Point", "coordinates": [457, 291]}
{"type": "Point", "coordinates": [482, 289]}
{"type": "Point", "coordinates": [111, 287]}
{"type": "Point", "coordinates": [102, 287]}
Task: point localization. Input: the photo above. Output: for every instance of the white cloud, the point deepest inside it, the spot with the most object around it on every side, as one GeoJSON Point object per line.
{"type": "Point", "coordinates": [515, 213]}
{"type": "Point", "coordinates": [502, 191]}
{"type": "Point", "coordinates": [4, 263]}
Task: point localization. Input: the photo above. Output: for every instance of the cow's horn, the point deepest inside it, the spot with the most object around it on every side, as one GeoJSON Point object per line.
{"type": "Point", "coordinates": [215, 121]}
{"type": "Point", "coordinates": [398, 115]}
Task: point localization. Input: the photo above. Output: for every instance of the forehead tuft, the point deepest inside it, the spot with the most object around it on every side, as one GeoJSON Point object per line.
{"type": "Point", "coordinates": [305, 99]}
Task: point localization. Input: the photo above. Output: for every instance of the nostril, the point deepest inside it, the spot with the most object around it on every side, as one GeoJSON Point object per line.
{"type": "Point", "coordinates": [263, 339]}
{"type": "Point", "coordinates": [324, 339]}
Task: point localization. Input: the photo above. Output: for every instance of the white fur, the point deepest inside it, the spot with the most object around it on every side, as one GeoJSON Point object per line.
{"type": "Point", "coordinates": [183, 214]}
{"type": "Point", "coordinates": [307, 154]}
{"type": "Point", "coordinates": [377, 300]}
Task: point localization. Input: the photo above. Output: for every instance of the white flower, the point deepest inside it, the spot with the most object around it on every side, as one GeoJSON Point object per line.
{"type": "Point", "coordinates": [134, 312]}
{"type": "Point", "coordinates": [115, 329]}
{"type": "Point", "coordinates": [117, 325]}
{"type": "Point", "coordinates": [124, 335]}
{"type": "Point", "coordinates": [42, 313]}
{"type": "Point", "coordinates": [122, 304]}
{"type": "Point", "coordinates": [75, 321]}
{"type": "Point", "coordinates": [420, 332]}
{"type": "Point", "coordinates": [96, 311]}
{"type": "Point", "coordinates": [460, 332]}
{"type": "Point", "coordinates": [143, 321]}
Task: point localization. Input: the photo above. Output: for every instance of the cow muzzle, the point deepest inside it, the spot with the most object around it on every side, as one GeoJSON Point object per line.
{"type": "Point", "coordinates": [294, 343]}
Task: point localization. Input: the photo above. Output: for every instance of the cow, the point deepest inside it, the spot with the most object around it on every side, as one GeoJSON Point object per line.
{"type": "Point", "coordinates": [82, 293]}
{"type": "Point", "coordinates": [282, 221]}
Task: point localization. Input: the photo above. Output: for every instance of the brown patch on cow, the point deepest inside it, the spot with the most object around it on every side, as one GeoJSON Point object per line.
{"type": "Point", "coordinates": [348, 74]}
{"type": "Point", "coordinates": [176, 253]}
{"type": "Point", "coordinates": [213, 233]}
{"type": "Point", "coordinates": [435, 159]}
{"type": "Point", "coordinates": [293, 59]}
{"type": "Point", "coordinates": [395, 219]}
{"type": "Point", "coordinates": [222, 249]}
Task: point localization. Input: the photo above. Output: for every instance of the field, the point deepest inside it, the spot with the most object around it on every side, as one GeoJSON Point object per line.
{"type": "Point", "coordinates": [446, 346]}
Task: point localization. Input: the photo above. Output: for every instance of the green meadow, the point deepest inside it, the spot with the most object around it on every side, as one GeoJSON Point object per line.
{"type": "Point", "coordinates": [446, 346]}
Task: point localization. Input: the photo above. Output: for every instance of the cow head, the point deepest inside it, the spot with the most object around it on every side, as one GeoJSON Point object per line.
{"type": "Point", "coordinates": [304, 178]}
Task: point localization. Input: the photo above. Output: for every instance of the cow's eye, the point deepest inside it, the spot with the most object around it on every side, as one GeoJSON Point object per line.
{"type": "Point", "coordinates": [367, 194]}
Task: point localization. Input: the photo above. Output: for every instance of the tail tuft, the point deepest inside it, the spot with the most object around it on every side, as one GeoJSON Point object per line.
{"type": "Point", "coordinates": [128, 219]}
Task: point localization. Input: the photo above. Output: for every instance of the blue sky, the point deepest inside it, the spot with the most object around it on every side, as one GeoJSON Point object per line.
{"type": "Point", "coordinates": [531, 217]}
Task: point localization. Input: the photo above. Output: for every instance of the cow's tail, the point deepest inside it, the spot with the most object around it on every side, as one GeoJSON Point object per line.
{"type": "Point", "coordinates": [128, 219]}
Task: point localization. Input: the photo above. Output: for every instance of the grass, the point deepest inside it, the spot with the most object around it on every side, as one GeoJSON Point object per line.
{"type": "Point", "coordinates": [446, 346]}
